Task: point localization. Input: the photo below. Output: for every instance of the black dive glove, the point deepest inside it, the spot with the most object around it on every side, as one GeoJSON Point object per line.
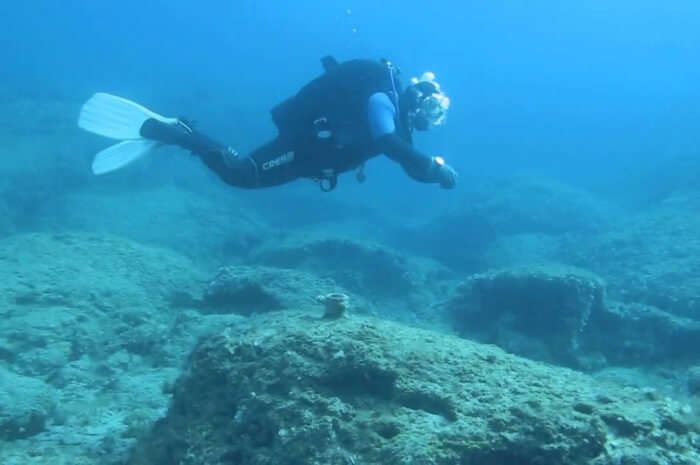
{"type": "Point", "coordinates": [445, 174]}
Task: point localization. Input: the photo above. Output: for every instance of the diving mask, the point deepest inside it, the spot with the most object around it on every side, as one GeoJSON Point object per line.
{"type": "Point", "coordinates": [431, 103]}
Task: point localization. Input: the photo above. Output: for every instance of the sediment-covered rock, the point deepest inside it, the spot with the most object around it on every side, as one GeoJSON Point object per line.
{"type": "Point", "coordinates": [294, 389]}
{"type": "Point", "coordinates": [549, 303]}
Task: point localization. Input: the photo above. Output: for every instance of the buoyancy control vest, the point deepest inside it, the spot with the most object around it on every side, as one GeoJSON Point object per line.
{"type": "Point", "coordinates": [327, 121]}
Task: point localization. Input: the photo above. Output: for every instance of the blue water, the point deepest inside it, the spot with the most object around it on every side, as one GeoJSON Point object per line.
{"type": "Point", "coordinates": [584, 91]}
{"type": "Point", "coordinates": [596, 101]}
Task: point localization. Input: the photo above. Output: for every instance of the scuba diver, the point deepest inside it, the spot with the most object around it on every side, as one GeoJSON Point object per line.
{"type": "Point", "coordinates": [354, 111]}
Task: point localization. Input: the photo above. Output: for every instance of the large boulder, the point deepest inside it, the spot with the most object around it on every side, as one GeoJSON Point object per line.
{"type": "Point", "coordinates": [293, 389]}
{"type": "Point", "coordinates": [548, 304]}
{"type": "Point", "coordinates": [562, 314]}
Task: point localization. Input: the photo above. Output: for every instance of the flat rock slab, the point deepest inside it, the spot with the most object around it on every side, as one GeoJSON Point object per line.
{"type": "Point", "coordinates": [294, 389]}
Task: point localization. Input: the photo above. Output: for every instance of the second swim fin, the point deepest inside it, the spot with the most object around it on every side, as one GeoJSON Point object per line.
{"type": "Point", "coordinates": [121, 154]}
{"type": "Point", "coordinates": [121, 119]}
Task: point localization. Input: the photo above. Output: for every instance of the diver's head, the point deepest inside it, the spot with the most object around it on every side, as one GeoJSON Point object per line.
{"type": "Point", "coordinates": [427, 104]}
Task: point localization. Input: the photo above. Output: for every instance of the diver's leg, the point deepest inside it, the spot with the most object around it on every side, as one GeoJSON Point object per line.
{"type": "Point", "coordinates": [276, 163]}
{"type": "Point", "coordinates": [269, 165]}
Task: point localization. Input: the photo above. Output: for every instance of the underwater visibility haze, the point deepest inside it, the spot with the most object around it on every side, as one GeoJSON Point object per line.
{"type": "Point", "coordinates": [226, 237]}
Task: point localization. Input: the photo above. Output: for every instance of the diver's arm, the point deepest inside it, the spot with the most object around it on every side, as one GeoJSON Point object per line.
{"type": "Point", "coordinates": [417, 165]}
{"type": "Point", "coordinates": [421, 167]}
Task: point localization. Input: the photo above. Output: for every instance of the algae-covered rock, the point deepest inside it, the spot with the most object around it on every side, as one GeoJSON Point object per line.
{"type": "Point", "coordinates": [549, 303]}
{"type": "Point", "coordinates": [297, 390]}
{"type": "Point", "coordinates": [25, 405]}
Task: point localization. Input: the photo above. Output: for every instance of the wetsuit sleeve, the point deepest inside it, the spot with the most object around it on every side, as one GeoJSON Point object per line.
{"type": "Point", "coordinates": [382, 126]}
{"type": "Point", "coordinates": [417, 165]}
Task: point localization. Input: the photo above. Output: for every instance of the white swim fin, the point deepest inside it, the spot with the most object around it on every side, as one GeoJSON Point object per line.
{"type": "Point", "coordinates": [121, 154]}
{"type": "Point", "coordinates": [118, 118]}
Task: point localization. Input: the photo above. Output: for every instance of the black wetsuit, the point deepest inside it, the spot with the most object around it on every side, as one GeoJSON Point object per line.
{"type": "Point", "coordinates": [324, 130]}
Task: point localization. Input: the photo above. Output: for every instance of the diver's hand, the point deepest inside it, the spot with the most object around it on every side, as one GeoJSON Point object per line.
{"type": "Point", "coordinates": [446, 175]}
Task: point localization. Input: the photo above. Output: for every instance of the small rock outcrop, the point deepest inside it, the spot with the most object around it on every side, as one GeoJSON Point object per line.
{"type": "Point", "coordinates": [246, 290]}
{"type": "Point", "coordinates": [293, 389]}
